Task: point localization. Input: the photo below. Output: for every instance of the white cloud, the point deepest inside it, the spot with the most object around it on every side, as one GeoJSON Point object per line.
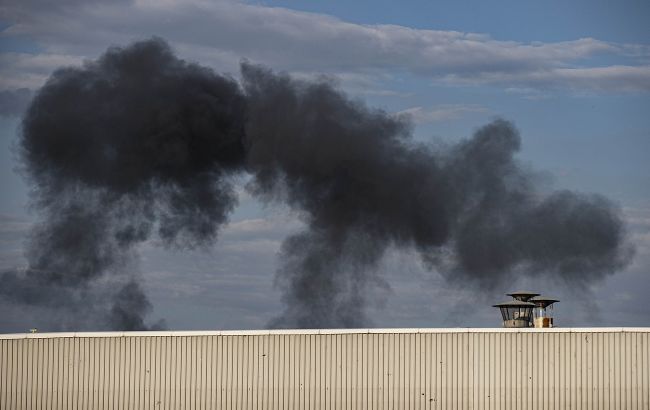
{"type": "Point", "coordinates": [254, 247]}
{"type": "Point", "coordinates": [15, 226]}
{"type": "Point", "coordinates": [444, 112]}
{"type": "Point", "coordinates": [272, 227]}
{"type": "Point", "coordinates": [256, 225]}
{"type": "Point", "coordinates": [638, 221]}
{"type": "Point", "coordinates": [528, 93]}
{"type": "Point", "coordinates": [22, 70]}
{"type": "Point", "coordinates": [220, 33]}
{"type": "Point", "coordinates": [597, 79]}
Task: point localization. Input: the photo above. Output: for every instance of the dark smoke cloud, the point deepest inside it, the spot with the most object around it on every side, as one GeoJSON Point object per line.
{"type": "Point", "coordinates": [130, 305]}
{"type": "Point", "coordinates": [364, 185]}
{"type": "Point", "coordinates": [141, 142]}
{"type": "Point", "coordinates": [135, 142]}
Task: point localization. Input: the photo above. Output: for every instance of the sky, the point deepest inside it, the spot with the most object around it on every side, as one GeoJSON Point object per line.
{"type": "Point", "coordinates": [573, 76]}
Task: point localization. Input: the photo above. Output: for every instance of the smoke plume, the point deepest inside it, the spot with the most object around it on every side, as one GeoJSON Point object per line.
{"type": "Point", "coordinates": [140, 142]}
{"type": "Point", "coordinates": [134, 143]}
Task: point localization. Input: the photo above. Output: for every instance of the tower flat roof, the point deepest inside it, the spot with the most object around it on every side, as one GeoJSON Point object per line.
{"type": "Point", "coordinates": [522, 293]}
{"type": "Point", "coordinates": [514, 303]}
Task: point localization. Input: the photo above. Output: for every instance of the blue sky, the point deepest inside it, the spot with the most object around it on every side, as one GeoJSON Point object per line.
{"type": "Point", "coordinates": [573, 76]}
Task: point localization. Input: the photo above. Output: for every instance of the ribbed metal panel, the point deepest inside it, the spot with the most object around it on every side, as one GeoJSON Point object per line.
{"type": "Point", "coordinates": [365, 369]}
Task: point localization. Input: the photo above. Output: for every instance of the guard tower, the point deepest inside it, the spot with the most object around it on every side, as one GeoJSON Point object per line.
{"type": "Point", "coordinates": [527, 309]}
{"type": "Point", "coordinates": [516, 313]}
{"type": "Point", "coordinates": [543, 313]}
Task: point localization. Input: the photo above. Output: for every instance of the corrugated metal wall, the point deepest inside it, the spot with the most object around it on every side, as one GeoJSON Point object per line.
{"type": "Point", "coordinates": [377, 369]}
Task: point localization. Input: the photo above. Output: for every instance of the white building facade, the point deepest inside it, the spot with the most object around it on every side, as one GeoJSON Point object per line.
{"type": "Point", "coordinates": [557, 368]}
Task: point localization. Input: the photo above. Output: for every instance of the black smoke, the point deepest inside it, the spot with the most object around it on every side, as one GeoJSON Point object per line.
{"type": "Point", "coordinates": [140, 142]}
{"type": "Point", "coordinates": [363, 185]}
{"type": "Point", "coordinates": [135, 142]}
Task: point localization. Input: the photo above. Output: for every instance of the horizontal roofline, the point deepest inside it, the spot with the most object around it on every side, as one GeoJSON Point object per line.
{"type": "Point", "coordinates": [322, 332]}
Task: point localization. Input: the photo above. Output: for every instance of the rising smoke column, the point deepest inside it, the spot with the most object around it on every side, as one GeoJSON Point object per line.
{"type": "Point", "coordinates": [140, 142]}
{"type": "Point", "coordinates": [135, 142]}
{"type": "Point", "coordinates": [358, 180]}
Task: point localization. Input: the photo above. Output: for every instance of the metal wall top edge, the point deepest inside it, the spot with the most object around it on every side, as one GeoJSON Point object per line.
{"type": "Point", "coordinates": [323, 331]}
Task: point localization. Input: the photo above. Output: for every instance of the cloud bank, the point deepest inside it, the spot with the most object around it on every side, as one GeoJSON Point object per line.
{"type": "Point", "coordinates": [220, 33]}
